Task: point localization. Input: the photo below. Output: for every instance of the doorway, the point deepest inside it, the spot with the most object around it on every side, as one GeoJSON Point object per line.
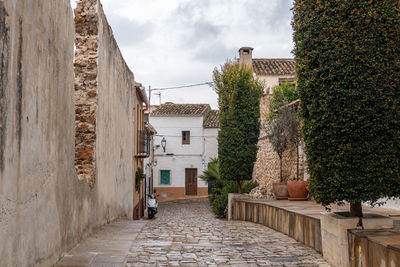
{"type": "Point", "coordinates": [191, 182]}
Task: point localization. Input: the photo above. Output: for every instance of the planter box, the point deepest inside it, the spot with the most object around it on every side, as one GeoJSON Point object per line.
{"type": "Point", "coordinates": [334, 231]}
{"type": "Point", "coordinates": [371, 248]}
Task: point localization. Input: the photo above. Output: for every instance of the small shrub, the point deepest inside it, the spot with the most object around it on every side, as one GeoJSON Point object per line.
{"type": "Point", "coordinates": [139, 176]}
{"type": "Point", "coordinates": [247, 187]}
{"type": "Point", "coordinates": [220, 204]}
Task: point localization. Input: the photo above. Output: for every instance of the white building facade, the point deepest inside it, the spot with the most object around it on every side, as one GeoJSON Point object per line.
{"type": "Point", "coordinates": [186, 140]}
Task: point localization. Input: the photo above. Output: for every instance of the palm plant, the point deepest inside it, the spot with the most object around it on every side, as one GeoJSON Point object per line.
{"type": "Point", "coordinates": [212, 173]}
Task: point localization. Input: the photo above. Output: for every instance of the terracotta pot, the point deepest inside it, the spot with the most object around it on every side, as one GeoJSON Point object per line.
{"type": "Point", "coordinates": [280, 191]}
{"type": "Point", "coordinates": [297, 190]}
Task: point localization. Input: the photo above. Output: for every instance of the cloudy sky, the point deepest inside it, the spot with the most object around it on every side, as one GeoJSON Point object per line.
{"type": "Point", "coordinates": [170, 43]}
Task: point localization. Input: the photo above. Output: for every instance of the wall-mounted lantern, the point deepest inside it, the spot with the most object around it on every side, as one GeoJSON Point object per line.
{"type": "Point", "coordinates": [163, 143]}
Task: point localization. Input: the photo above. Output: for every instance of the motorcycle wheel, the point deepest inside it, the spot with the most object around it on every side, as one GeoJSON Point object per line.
{"type": "Point", "coordinates": [151, 214]}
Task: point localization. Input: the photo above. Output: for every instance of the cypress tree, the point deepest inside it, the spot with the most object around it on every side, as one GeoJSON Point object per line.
{"type": "Point", "coordinates": [239, 96]}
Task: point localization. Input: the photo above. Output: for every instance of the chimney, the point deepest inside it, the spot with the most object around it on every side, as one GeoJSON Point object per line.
{"type": "Point", "coordinates": [246, 55]}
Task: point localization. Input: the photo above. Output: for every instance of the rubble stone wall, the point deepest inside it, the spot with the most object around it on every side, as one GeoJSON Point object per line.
{"type": "Point", "coordinates": [267, 168]}
{"type": "Point", "coordinates": [86, 54]}
{"type": "Point", "coordinates": [45, 210]}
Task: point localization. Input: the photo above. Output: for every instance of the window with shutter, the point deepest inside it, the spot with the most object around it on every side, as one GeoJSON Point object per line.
{"type": "Point", "coordinates": [165, 177]}
{"type": "Point", "coordinates": [185, 137]}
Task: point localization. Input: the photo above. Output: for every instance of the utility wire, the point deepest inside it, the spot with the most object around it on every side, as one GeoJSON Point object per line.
{"type": "Point", "coordinates": [183, 86]}
{"type": "Point", "coordinates": [160, 135]}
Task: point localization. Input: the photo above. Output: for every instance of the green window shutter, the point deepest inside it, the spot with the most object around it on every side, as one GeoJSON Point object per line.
{"type": "Point", "coordinates": [165, 177]}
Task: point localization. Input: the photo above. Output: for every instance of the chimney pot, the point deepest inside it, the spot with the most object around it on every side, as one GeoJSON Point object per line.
{"type": "Point", "coordinates": [246, 55]}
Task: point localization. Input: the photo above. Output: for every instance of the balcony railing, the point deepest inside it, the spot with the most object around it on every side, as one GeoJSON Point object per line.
{"type": "Point", "coordinates": [143, 144]}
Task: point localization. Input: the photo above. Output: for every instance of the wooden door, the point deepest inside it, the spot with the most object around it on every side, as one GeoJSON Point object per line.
{"type": "Point", "coordinates": [191, 182]}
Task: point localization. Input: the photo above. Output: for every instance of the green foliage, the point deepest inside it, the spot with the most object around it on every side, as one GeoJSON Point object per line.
{"type": "Point", "coordinates": [221, 188]}
{"type": "Point", "coordinates": [139, 176]}
{"type": "Point", "coordinates": [220, 204]}
{"type": "Point", "coordinates": [248, 186]}
{"type": "Point", "coordinates": [282, 95]}
{"type": "Point", "coordinates": [219, 196]}
{"type": "Point", "coordinates": [238, 97]}
{"type": "Point", "coordinates": [348, 67]}
{"type": "Point", "coordinates": [212, 173]}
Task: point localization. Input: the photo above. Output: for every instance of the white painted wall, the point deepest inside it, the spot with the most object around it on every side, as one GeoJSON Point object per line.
{"type": "Point", "coordinates": [177, 156]}
{"type": "Point", "coordinates": [271, 81]}
{"type": "Point", "coordinates": [177, 165]}
{"type": "Point", "coordinates": [171, 128]}
{"type": "Point", "coordinates": [210, 143]}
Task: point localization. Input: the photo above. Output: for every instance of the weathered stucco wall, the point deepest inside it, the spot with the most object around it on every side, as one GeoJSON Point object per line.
{"type": "Point", "coordinates": [44, 208]}
{"type": "Point", "coordinates": [37, 178]}
{"type": "Point", "coordinates": [115, 125]}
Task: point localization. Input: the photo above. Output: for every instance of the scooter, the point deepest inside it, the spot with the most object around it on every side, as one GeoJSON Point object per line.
{"type": "Point", "coordinates": [152, 206]}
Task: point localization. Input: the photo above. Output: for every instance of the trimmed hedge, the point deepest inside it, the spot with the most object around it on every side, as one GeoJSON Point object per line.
{"type": "Point", "coordinates": [348, 66]}
{"type": "Point", "coordinates": [239, 104]}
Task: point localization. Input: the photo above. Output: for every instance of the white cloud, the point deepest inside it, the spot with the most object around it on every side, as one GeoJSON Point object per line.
{"type": "Point", "coordinates": [178, 42]}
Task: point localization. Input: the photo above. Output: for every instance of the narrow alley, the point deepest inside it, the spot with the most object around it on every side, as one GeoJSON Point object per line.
{"type": "Point", "coordinates": [186, 233]}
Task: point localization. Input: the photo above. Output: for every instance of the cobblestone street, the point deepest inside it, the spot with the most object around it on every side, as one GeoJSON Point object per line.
{"type": "Point", "coordinates": [186, 233]}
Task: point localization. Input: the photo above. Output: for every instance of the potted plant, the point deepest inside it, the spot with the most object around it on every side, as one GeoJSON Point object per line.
{"type": "Point", "coordinates": [284, 129]}
{"type": "Point", "coordinates": [277, 134]}
{"type": "Point", "coordinates": [298, 190]}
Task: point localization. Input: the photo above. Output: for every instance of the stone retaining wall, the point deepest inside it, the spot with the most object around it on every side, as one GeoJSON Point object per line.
{"type": "Point", "coordinates": [303, 228]}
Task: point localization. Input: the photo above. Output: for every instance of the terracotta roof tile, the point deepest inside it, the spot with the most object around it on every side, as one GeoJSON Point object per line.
{"type": "Point", "coordinates": [274, 66]}
{"type": "Point", "coordinates": [181, 110]}
{"type": "Point", "coordinates": [212, 119]}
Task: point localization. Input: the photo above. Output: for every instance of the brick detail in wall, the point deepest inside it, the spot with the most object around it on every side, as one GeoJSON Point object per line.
{"type": "Point", "coordinates": [85, 67]}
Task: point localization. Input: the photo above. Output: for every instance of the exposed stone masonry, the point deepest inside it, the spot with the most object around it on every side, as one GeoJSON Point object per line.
{"type": "Point", "coordinates": [86, 54]}
{"type": "Point", "coordinates": [267, 170]}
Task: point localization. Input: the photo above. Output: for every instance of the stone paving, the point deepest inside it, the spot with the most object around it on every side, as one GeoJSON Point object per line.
{"type": "Point", "coordinates": [186, 233]}
{"type": "Point", "coordinates": [108, 246]}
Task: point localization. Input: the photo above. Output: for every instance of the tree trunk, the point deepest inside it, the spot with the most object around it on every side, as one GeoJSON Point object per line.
{"type": "Point", "coordinates": [239, 187]}
{"type": "Point", "coordinates": [280, 163]}
{"type": "Point", "coordinates": [297, 159]}
{"type": "Point", "coordinates": [356, 210]}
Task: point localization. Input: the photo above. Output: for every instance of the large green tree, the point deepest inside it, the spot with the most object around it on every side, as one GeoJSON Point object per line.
{"type": "Point", "coordinates": [348, 66]}
{"type": "Point", "coordinates": [239, 96]}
